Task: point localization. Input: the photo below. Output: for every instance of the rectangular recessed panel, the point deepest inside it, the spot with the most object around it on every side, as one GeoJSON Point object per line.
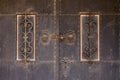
{"type": "Point", "coordinates": [89, 38]}
{"type": "Point", "coordinates": [26, 37]}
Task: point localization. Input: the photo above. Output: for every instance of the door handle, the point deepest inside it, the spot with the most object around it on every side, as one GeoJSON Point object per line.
{"type": "Point", "coordinates": [60, 37]}
{"type": "Point", "coordinates": [69, 37]}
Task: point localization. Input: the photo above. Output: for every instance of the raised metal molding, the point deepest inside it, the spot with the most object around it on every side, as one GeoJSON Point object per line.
{"type": "Point", "coordinates": [70, 37]}
{"type": "Point", "coordinates": [45, 37]}
{"type": "Point", "coordinates": [26, 25]}
{"type": "Point", "coordinates": [89, 37]}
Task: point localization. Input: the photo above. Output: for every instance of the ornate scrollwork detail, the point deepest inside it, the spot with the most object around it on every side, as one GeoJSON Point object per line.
{"type": "Point", "coordinates": [66, 62]}
{"type": "Point", "coordinates": [90, 37]}
{"type": "Point", "coordinates": [89, 46]}
{"type": "Point", "coordinates": [25, 37]}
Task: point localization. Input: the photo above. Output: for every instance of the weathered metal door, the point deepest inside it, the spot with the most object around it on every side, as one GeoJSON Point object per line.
{"type": "Point", "coordinates": [60, 40]}
{"type": "Point", "coordinates": [91, 50]}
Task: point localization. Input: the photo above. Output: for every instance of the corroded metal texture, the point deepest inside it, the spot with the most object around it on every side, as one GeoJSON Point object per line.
{"type": "Point", "coordinates": [57, 36]}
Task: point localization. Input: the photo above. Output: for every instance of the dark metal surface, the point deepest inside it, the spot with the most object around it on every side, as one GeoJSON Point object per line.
{"type": "Point", "coordinates": [60, 59]}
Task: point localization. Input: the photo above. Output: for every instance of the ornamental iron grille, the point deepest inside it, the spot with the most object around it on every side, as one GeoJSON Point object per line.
{"type": "Point", "coordinates": [26, 37]}
{"type": "Point", "coordinates": [89, 30]}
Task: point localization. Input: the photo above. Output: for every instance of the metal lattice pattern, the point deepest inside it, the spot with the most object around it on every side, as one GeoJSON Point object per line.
{"type": "Point", "coordinates": [89, 37]}
{"type": "Point", "coordinates": [26, 37]}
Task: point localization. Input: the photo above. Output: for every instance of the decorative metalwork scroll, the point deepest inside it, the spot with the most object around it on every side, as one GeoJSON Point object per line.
{"type": "Point", "coordinates": [66, 64]}
{"type": "Point", "coordinates": [26, 37]}
{"type": "Point", "coordinates": [89, 40]}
